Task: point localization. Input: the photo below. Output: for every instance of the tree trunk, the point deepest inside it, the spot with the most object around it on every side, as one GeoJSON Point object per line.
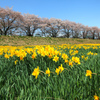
{"type": "Point", "coordinates": [29, 35]}
{"type": "Point", "coordinates": [72, 32]}
{"type": "Point", "coordinates": [29, 32]}
{"type": "Point", "coordinates": [93, 35]}
{"type": "Point", "coordinates": [54, 34]}
{"type": "Point", "coordinates": [1, 32]}
{"type": "Point", "coordinates": [98, 35]}
{"type": "Point", "coordinates": [67, 34]}
{"type": "Point", "coordinates": [84, 35]}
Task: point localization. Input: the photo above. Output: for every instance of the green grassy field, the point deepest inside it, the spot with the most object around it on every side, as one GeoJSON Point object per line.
{"type": "Point", "coordinates": [21, 80]}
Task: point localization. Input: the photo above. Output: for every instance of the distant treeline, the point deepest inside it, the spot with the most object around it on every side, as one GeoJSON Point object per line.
{"type": "Point", "coordinates": [12, 22]}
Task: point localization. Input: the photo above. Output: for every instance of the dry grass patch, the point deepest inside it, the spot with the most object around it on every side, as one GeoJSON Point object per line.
{"type": "Point", "coordinates": [26, 40]}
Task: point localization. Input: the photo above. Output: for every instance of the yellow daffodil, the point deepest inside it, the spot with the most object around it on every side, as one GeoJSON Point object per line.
{"type": "Point", "coordinates": [55, 58]}
{"type": "Point", "coordinates": [76, 51]}
{"type": "Point", "coordinates": [1, 53]}
{"type": "Point", "coordinates": [89, 73]}
{"type": "Point", "coordinates": [28, 50]}
{"type": "Point", "coordinates": [48, 72]}
{"type": "Point", "coordinates": [70, 63]}
{"type": "Point", "coordinates": [66, 61]}
{"type": "Point", "coordinates": [36, 72]}
{"type": "Point", "coordinates": [34, 55]}
{"type": "Point", "coordinates": [61, 68]}
{"type": "Point", "coordinates": [64, 56]}
{"type": "Point", "coordinates": [6, 56]}
{"type": "Point", "coordinates": [95, 53]}
{"type": "Point", "coordinates": [76, 60]}
{"type": "Point", "coordinates": [21, 58]}
{"type": "Point", "coordinates": [55, 52]}
{"type": "Point", "coordinates": [82, 56]}
{"type": "Point", "coordinates": [86, 58]}
{"type": "Point", "coordinates": [50, 56]}
{"type": "Point", "coordinates": [16, 62]}
{"type": "Point", "coordinates": [96, 97]}
{"type": "Point", "coordinates": [57, 71]}
{"type": "Point", "coordinates": [59, 54]}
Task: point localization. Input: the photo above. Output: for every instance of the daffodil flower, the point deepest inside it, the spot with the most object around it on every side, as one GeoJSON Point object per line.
{"type": "Point", "coordinates": [61, 68]}
{"type": "Point", "coordinates": [48, 72]}
{"type": "Point", "coordinates": [57, 71]}
{"type": "Point", "coordinates": [89, 73]}
{"type": "Point", "coordinates": [96, 97]}
{"type": "Point", "coordinates": [36, 72]}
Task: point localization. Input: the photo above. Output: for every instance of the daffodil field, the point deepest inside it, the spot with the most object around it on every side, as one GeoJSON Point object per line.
{"type": "Point", "coordinates": [50, 72]}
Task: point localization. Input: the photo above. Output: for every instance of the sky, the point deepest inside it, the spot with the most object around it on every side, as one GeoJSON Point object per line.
{"type": "Point", "coordinates": [86, 12]}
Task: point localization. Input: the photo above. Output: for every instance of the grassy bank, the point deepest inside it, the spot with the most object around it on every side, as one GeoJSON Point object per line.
{"type": "Point", "coordinates": [26, 40]}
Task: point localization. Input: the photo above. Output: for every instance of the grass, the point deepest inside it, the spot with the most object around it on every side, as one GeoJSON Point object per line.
{"type": "Point", "coordinates": [26, 40]}
{"type": "Point", "coordinates": [18, 83]}
{"type": "Point", "coordinates": [80, 40]}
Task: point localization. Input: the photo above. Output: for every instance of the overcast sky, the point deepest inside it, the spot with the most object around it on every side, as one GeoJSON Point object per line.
{"type": "Point", "coordinates": [86, 12]}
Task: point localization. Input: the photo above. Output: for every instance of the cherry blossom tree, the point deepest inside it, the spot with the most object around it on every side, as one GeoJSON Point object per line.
{"type": "Point", "coordinates": [30, 24]}
{"type": "Point", "coordinates": [94, 30]}
{"type": "Point", "coordinates": [54, 26]}
{"type": "Point", "coordinates": [77, 30]}
{"type": "Point", "coordinates": [8, 20]}
{"type": "Point", "coordinates": [72, 27]}
{"type": "Point", "coordinates": [66, 25]}
{"type": "Point", "coordinates": [44, 26]}
{"type": "Point", "coordinates": [98, 33]}
{"type": "Point", "coordinates": [86, 30]}
{"type": "Point", "coordinates": [83, 29]}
